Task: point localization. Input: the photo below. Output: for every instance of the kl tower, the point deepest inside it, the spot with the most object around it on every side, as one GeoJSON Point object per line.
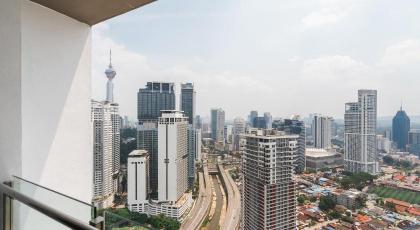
{"type": "Point", "coordinates": [110, 74]}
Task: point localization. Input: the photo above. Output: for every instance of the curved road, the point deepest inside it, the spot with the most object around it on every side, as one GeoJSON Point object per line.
{"type": "Point", "coordinates": [232, 218]}
{"type": "Point", "coordinates": [197, 214]}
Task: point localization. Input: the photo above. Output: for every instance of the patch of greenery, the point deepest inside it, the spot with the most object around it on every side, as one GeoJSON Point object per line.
{"type": "Point", "coordinates": [139, 219]}
{"type": "Point", "coordinates": [356, 180]}
{"type": "Point", "coordinates": [396, 193]}
{"type": "Point", "coordinates": [326, 203]}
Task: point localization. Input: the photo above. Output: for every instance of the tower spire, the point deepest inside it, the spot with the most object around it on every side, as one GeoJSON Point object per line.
{"type": "Point", "coordinates": [110, 58]}
{"type": "Point", "coordinates": [110, 74]}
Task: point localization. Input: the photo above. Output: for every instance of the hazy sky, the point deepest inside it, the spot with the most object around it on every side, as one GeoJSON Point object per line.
{"type": "Point", "coordinates": [284, 57]}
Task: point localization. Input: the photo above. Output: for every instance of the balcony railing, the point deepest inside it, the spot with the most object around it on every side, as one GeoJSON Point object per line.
{"type": "Point", "coordinates": [27, 205]}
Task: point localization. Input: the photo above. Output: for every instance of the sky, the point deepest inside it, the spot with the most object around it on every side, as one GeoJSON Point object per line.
{"type": "Point", "coordinates": [284, 57]}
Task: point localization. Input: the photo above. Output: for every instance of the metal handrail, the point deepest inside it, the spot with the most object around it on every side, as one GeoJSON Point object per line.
{"type": "Point", "coordinates": [53, 191]}
{"type": "Point", "coordinates": [52, 213]}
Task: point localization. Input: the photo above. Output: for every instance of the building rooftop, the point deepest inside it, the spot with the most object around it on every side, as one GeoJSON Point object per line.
{"type": "Point", "coordinates": [314, 152]}
{"type": "Point", "coordinates": [138, 153]}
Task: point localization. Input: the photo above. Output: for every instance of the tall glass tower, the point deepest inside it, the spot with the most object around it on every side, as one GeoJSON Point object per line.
{"type": "Point", "coordinates": [400, 129]}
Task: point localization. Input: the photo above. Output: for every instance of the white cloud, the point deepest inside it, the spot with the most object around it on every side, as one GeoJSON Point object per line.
{"type": "Point", "coordinates": [134, 70]}
{"type": "Point", "coordinates": [404, 54]}
{"type": "Point", "coordinates": [334, 67]}
{"type": "Point", "coordinates": [329, 12]}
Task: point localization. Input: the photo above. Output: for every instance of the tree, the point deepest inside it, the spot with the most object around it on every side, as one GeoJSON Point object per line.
{"type": "Point", "coordinates": [388, 160]}
{"type": "Point", "coordinates": [333, 214]}
{"type": "Point", "coordinates": [326, 203]}
{"type": "Point", "coordinates": [390, 206]}
{"type": "Point", "coordinates": [312, 199]}
{"type": "Point", "coordinates": [301, 200]}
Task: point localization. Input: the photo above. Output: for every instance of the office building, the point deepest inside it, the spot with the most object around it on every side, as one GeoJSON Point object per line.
{"type": "Point", "coordinates": [198, 122]}
{"type": "Point", "coordinates": [147, 139]}
{"type": "Point", "coordinates": [172, 157]}
{"type": "Point", "coordinates": [269, 191]}
{"type": "Point", "coordinates": [260, 123]}
{"type": "Point", "coordinates": [295, 126]}
{"type": "Point", "coordinates": [400, 129]}
{"type": "Point", "coordinates": [188, 102]}
{"type": "Point", "coordinates": [252, 115]}
{"type": "Point", "coordinates": [414, 142]}
{"type": "Point", "coordinates": [138, 180]}
{"type": "Point", "coordinates": [360, 148]}
{"type": "Point", "coordinates": [194, 152]}
{"type": "Point", "coordinates": [321, 131]}
{"type": "Point", "coordinates": [218, 125]}
{"type": "Point", "coordinates": [323, 158]}
{"type": "Point", "coordinates": [268, 120]}
{"type": "Point", "coordinates": [239, 126]}
{"type": "Point", "coordinates": [156, 96]}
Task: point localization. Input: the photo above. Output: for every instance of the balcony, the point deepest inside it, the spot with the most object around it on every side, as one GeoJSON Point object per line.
{"type": "Point", "coordinates": [27, 205]}
{"type": "Point", "coordinates": [46, 130]}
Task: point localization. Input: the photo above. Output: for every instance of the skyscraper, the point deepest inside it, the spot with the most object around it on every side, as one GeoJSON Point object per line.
{"type": "Point", "coordinates": [295, 126]}
{"type": "Point", "coordinates": [188, 102]}
{"type": "Point", "coordinates": [268, 120]}
{"type": "Point", "coordinates": [360, 148]}
{"type": "Point", "coordinates": [217, 125]}
{"type": "Point", "coordinates": [400, 129]}
{"type": "Point", "coordinates": [239, 126]}
{"type": "Point", "coordinates": [269, 191]}
{"type": "Point", "coordinates": [106, 146]}
{"type": "Point", "coordinates": [260, 123]}
{"type": "Point", "coordinates": [321, 131]}
{"type": "Point", "coordinates": [252, 116]}
{"type": "Point", "coordinates": [156, 96]}
{"type": "Point", "coordinates": [414, 142]}
{"type": "Point", "coordinates": [172, 163]}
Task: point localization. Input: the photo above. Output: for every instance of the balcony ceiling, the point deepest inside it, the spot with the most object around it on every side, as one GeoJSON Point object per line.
{"type": "Point", "coordinates": [92, 12]}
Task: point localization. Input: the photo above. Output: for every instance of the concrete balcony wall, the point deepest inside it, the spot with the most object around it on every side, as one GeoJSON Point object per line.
{"type": "Point", "coordinates": [45, 91]}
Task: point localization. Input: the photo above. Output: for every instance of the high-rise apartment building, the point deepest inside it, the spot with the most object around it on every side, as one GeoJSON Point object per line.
{"type": "Point", "coordinates": [156, 96]}
{"type": "Point", "coordinates": [360, 148]}
{"type": "Point", "coordinates": [173, 156]}
{"type": "Point", "coordinates": [103, 152]}
{"type": "Point", "coordinates": [218, 125]}
{"type": "Point", "coordinates": [321, 131]}
{"type": "Point", "coordinates": [269, 191]}
{"type": "Point", "coordinates": [400, 129]}
{"type": "Point", "coordinates": [239, 126]}
{"type": "Point", "coordinates": [138, 180]}
{"type": "Point", "coordinates": [295, 126]}
{"type": "Point", "coordinates": [106, 146]}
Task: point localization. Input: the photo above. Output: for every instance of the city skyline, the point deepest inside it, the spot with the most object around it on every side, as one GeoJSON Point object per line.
{"type": "Point", "coordinates": [294, 51]}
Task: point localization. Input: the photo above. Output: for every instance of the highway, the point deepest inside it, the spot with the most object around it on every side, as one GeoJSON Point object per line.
{"type": "Point", "coordinates": [232, 218]}
{"type": "Point", "coordinates": [214, 223]}
{"type": "Point", "coordinates": [200, 210]}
